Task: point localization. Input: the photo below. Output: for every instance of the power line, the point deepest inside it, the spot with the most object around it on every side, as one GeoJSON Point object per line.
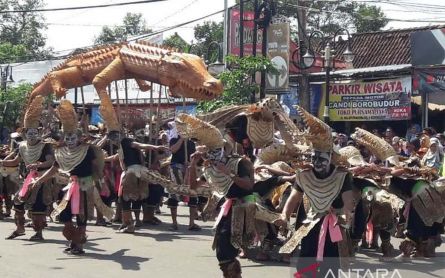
{"type": "Point", "coordinates": [82, 7]}
{"type": "Point", "coordinates": [405, 4]}
{"type": "Point", "coordinates": [131, 39]}
{"type": "Point", "coordinates": [177, 12]}
{"type": "Point", "coordinates": [100, 25]}
{"type": "Point", "coordinates": [174, 27]}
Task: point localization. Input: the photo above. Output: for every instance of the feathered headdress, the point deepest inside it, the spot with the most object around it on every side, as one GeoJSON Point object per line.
{"type": "Point", "coordinates": [67, 116]}
{"type": "Point", "coordinates": [376, 145]}
{"type": "Point", "coordinates": [108, 114]}
{"type": "Point", "coordinates": [318, 133]}
{"type": "Point", "coordinates": [33, 113]}
{"type": "Point", "coordinates": [206, 134]}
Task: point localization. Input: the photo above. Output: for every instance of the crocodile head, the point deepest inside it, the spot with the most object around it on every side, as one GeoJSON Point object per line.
{"type": "Point", "coordinates": [266, 109]}
{"type": "Point", "coordinates": [187, 76]}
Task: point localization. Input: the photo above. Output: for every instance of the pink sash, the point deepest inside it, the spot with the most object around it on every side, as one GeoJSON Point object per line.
{"type": "Point", "coordinates": [119, 185]}
{"type": "Point", "coordinates": [329, 225]}
{"type": "Point", "coordinates": [73, 195]}
{"type": "Point", "coordinates": [406, 210]}
{"type": "Point", "coordinates": [32, 175]}
{"type": "Point", "coordinates": [369, 232]}
{"type": "Point", "coordinates": [117, 180]}
{"type": "Point", "coordinates": [225, 208]}
{"type": "Point", "coordinates": [312, 268]}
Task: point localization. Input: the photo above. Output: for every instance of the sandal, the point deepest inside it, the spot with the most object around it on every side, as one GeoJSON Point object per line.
{"type": "Point", "coordinates": [151, 222]}
{"type": "Point", "coordinates": [262, 257]}
{"type": "Point", "coordinates": [157, 220]}
{"type": "Point", "coordinates": [36, 237]}
{"type": "Point", "coordinates": [15, 234]}
{"type": "Point", "coordinates": [173, 227]}
{"type": "Point", "coordinates": [68, 249]}
{"type": "Point", "coordinates": [77, 251]}
{"type": "Point", "coordinates": [102, 223]}
{"type": "Point", "coordinates": [242, 254]}
{"type": "Point", "coordinates": [195, 228]}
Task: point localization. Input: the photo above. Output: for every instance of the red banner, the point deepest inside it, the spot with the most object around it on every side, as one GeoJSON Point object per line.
{"type": "Point", "coordinates": [234, 35]}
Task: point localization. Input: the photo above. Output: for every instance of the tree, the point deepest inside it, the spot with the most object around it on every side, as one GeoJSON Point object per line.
{"type": "Point", "coordinates": [23, 31]}
{"type": "Point", "coordinates": [15, 96]}
{"type": "Point", "coordinates": [205, 34]}
{"type": "Point", "coordinates": [369, 18]}
{"type": "Point", "coordinates": [329, 16]}
{"type": "Point", "coordinates": [176, 41]}
{"type": "Point", "coordinates": [238, 85]}
{"type": "Point", "coordinates": [11, 53]}
{"type": "Point", "coordinates": [133, 24]}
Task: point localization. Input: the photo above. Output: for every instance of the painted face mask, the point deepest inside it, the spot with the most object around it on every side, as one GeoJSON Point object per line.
{"type": "Point", "coordinates": [115, 137]}
{"type": "Point", "coordinates": [216, 155]}
{"type": "Point", "coordinates": [321, 161]}
{"type": "Point", "coordinates": [71, 140]}
{"type": "Point", "coordinates": [32, 135]}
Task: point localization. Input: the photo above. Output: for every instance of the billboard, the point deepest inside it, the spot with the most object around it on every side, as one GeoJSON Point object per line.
{"type": "Point", "coordinates": [430, 81]}
{"type": "Point", "coordinates": [234, 33]}
{"type": "Point", "coordinates": [278, 52]}
{"type": "Point", "coordinates": [428, 47]}
{"type": "Point", "coordinates": [381, 100]}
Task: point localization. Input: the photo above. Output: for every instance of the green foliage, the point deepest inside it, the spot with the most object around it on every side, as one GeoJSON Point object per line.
{"type": "Point", "coordinates": [10, 53]}
{"type": "Point", "coordinates": [23, 31]}
{"type": "Point", "coordinates": [335, 15]}
{"type": "Point", "coordinates": [329, 16]}
{"type": "Point", "coordinates": [133, 24]}
{"type": "Point", "coordinates": [16, 96]}
{"type": "Point", "coordinates": [205, 34]}
{"type": "Point", "coordinates": [238, 84]}
{"type": "Point", "coordinates": [176, 41]}
{"type": "Point", "coordinates": [369, 18]}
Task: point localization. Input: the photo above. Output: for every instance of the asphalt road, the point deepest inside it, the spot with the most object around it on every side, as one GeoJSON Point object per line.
{"type": "Point", "coordinates": [157, 252]}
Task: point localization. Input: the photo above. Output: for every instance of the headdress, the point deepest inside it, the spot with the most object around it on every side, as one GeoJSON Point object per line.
{"type": "Point", "coordinates": [352, 155]}
{"type": "Point", "coordinates": [108, 114]}
{"type": "Point", "coordinates": [33, 113]}
{"type": "Point", "coordinates": [376, 145]}
{"type": "Point", "coordinates": [318, 133]}
{"type": "Point", "coordinates": [206, 134]}
{"type": "Point", "coordinates": [67, 116]}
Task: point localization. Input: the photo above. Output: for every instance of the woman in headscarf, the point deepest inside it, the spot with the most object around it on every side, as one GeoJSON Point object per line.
{"type": "Point", "coordinates": [434, 154]}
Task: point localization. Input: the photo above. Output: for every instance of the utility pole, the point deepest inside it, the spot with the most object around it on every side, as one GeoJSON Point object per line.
{"type": "Point", "coordinates": [304, 89]}
{"type": "Point", "coordinates": [241, 28]}
{"type": "Point", "coordinates": [226, 30]}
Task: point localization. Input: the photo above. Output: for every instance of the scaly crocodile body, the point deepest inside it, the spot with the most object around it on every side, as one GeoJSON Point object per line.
{"type": "Point", "coordinates": [185, 74]}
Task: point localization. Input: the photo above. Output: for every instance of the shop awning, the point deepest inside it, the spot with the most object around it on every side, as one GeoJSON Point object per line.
{"type": "Point", "coordinates": [431, 106]}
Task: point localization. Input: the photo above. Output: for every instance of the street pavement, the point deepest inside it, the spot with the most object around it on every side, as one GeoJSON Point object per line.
{"type": "Point", "coordinates": [153, 251]}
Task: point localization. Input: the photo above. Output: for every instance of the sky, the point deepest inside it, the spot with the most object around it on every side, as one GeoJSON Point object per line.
{"type": "Point", "coordinates": [73, 29]}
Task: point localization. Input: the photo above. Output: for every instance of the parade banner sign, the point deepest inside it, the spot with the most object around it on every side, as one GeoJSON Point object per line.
{"type": "Point", "coordinates": [383, 100]}
{"type": "Point", "coordinates": [429, 80]}
{"type": "Point", "coordinates": [428, 47]}
{"type": "Point", "coordinates": [234, 34]}
{"type": "Point", "coordinates": [278, 52]}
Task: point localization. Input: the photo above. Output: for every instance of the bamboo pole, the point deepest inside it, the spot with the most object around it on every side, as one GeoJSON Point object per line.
{"type": "Point", "coordinates": [150, 128]}
{"type": "Point", "coordinates": [126, 100]}
{"type": "Point", "coordinates": [158, 113]}
{"type": "Point", "coordinates": [185, 140]}
{"type": "Point", "coordinates": [118, 106]}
